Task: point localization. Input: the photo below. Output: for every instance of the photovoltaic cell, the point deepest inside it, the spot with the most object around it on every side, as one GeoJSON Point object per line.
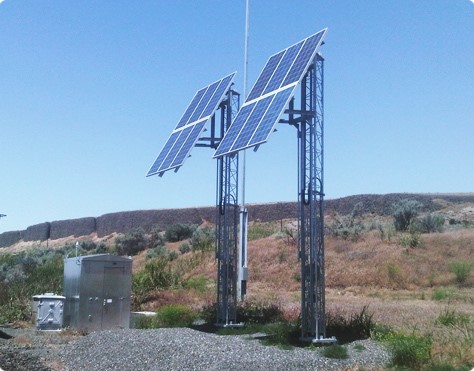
{"type": "Point", "coordinates": [164, 152]}
{"type": "Point", "coordinates": [271, 116]}
{"type": "Point", "coordinates": [186, 133]}
{"type": "Point", "coordinates": [252, 122]}
{"type": "Point", "coordinates": [266, 74]}
{"type": "Point", "coordinates": [270, 95]}
{"type": "Point", "coordinates": [283, 68]}
{"type": "Point", "coordinates": [217, 97]}
{"type": "Point", "coordinates": [192, 106]}
{"type": "Point", "coordinates": [301, 61]}
{"type": "Point", "coordinates": [233, 132]}
{"type": "Point", "coordinates": [203, 103]}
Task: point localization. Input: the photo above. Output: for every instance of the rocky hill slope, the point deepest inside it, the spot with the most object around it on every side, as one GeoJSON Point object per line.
{"type": "Point", "coordinates": [122, 222]}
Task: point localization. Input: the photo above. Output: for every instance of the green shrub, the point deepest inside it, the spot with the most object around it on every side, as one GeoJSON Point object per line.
{"type": "Point", "coordinates": [447, 367]}
{"type": "Point", "coordinates": [431, 223]}
{"type": "Point", "coordinates": [359, 347]}
{"type": "Point", "coordinates": [156, 252]}
{"type": "Point", "coordinates": [408, 351]}
{"type": "Point", "coordinates": [132, 242]}
{"type": "Point", "coordinates": [412, 239]}
{"type": "Point", "coordinates": [251, 312]}
{"type": "Point", "coordinates": [146, 322]}
{"type": "Point", "coordinates": [411, 351]}
{"type": "Point", "coordinates": [441, 293]}
{"type": "Point", "coordinates": [257, 231]}
{"type": "Point", "coordinates": [335, 351]}
{"type": "Point", "coordinates": [358, 326]}
{"type": "Point", "coordinates": [203, 239]}
{"type": "Point", "coordinates": [184, 248]}
{"type": "Point", "coordinates": [404, 213]}
{"type": "Point", "coordinates": [24, 275]}
{"type": "Point", "coordinates": [451, 318]}
{"type": "Point", "coordinates": [156, 275]}
{"type": "Point", "coordinates": [176, 315]}
{"type": "Point", "coordinates": [198, 283]}
{"type": "Point", "coordinates": [156, 237]}
{"type": "Point", "coordinates": [462, 270]}
{"type": "Point", "coordinates": [348, 226]}
{"type": "Point", "coordinates": [284, 334]}
{"type": "Point", "coordinates": [179, 232]}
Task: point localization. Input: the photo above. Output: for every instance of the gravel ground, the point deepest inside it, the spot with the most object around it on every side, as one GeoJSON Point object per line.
{"type": "Point", "coordinates": [171, 349]}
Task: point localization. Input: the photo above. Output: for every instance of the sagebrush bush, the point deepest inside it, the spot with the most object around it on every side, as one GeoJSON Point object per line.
{"type": "Point", "coordinates": [24, 275]}
{"type": "Point", "coordinates": [157, 237]}
{"type": "Point", "coordinates": [179, 232]}
{"type": "Point", "coordinates": [412, 239]}
{"type": "Point", "coordinates": [132, 242]}
{"type": "Point", "coordinates": [348, 226]}
{"type": "Point", "coordinates": [430, 223]}
{"type": "Point", "coordinates": [184, 248]}
{"type": "Point", "coordinates": [203, 239]}
{"type": "Point", "coordinates": [404, 213]}
{"type": "Point", "coordinates": [157, 252]}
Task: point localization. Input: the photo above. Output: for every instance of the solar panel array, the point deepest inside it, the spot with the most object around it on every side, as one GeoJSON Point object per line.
{"type": "Point", "coordinates": [186, 133]}
{"type": "Point", "coordinates": [270, 95]}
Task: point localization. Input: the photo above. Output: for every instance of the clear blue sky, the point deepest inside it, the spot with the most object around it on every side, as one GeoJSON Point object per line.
{"type": "Point", "coordinates": [90, 91]}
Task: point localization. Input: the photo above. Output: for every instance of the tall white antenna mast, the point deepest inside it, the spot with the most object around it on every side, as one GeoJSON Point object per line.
{"type": "Point", "coordinates": [242, 284]}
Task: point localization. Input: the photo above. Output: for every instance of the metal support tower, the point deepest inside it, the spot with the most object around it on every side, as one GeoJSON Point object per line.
{"type": "Point", "coordinates": [309, 121]}
{"type": "Point", "coordinates": [227, 221]}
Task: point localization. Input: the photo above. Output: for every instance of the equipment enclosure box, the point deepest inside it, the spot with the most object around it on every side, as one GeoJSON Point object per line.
{"type": "Point", "coordinates": [48, 309]}
{"type": "Point", "coordinates": [97, 290]}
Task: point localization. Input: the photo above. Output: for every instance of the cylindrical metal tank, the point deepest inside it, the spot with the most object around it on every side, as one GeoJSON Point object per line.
{"type": "Point", "coordinates": [49, 310]}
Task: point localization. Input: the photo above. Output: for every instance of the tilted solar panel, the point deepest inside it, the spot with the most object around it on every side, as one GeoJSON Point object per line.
{"type": "Point", "coordinates": [270, 95]}
{"type": "Point", "coordinates": [186, 133]}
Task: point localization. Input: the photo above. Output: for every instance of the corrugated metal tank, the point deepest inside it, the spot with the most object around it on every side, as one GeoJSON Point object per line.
{"type": "Point", "coordinates": [97, 290]}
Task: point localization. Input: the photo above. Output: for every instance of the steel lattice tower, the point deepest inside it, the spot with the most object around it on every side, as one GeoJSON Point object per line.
{"type": "Point", "coordinates": [227, 219]}
{"type": "Point", "coordinates": [309, 121]}
{"type": "Point", "coordinates": [311, 204]}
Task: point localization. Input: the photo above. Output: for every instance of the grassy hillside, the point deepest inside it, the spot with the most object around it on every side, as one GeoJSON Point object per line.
{"type": "Point", "coordinates": [413, 282]}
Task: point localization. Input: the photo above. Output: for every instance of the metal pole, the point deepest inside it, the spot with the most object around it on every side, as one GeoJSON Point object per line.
{"type": "Point", "coordinates": [242, 280]}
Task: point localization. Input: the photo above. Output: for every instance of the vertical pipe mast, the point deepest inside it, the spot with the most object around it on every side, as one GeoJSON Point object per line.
{"type": "Point", "coordinates": [243, 260]}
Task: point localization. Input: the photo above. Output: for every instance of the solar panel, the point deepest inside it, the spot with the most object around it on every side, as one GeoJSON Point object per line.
{"type": "Point", "coordinates": [270, 95]}
{"type": "Point", "coordinates": [186, 133]}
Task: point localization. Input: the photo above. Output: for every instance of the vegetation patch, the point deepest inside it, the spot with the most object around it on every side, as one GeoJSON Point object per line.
{"type": "Point", "coordinates": [461, 270]}
{"type": "Point", "coordinates": [335, 351]}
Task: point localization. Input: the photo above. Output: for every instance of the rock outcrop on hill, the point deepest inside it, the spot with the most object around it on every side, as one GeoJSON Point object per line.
{"type": "Point", "coordinates": [123, 222]}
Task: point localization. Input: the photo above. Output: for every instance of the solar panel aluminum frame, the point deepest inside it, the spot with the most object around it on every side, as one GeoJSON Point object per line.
{"type": "Point", "coordinates": [189, 142]}
{"type": "Point", "coordinates": [230, 149]}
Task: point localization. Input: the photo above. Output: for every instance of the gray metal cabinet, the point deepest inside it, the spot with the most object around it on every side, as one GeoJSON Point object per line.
{"type": "Point", "coordinates": [97, 290]}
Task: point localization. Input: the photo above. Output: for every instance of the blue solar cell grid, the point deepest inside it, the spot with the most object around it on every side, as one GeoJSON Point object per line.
{"type": "Point", "coordinates": [269, 96]}
{"type": "Point", "coordinates": [186, 133]}
{"type": "Point", "coordinates": [271, 116]}
{"type": "Point", "coordinates": [266, 74]}
{"type": "Point", "coordinates": [283, 68]}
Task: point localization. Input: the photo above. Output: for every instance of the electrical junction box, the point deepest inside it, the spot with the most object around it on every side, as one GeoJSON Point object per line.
{"type": "Point", "coordinates": [49, 311]}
